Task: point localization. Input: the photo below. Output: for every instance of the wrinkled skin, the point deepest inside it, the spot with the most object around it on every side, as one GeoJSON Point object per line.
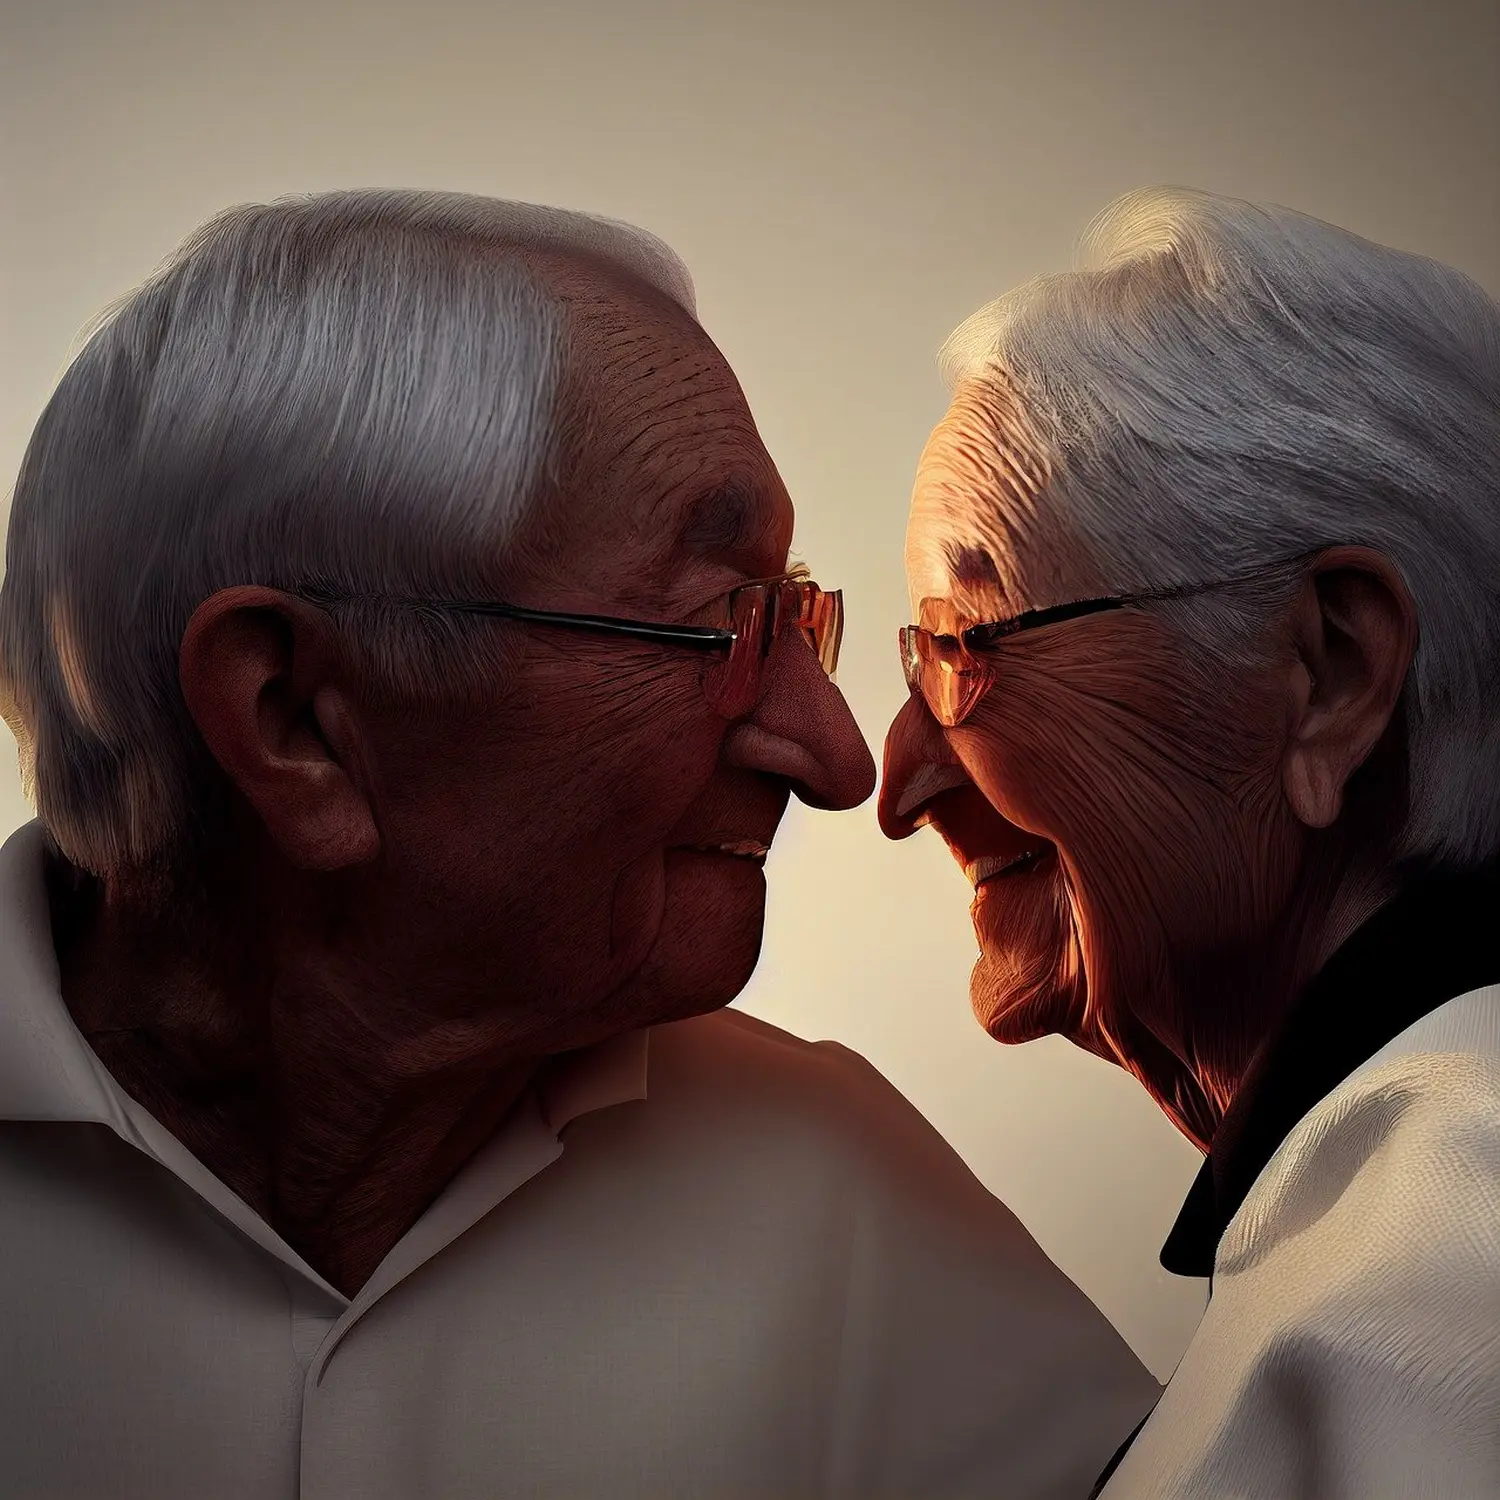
{"type": "Point", "coordinates": [1200, 842]}
{"type": "Point", "coordinates": [416, 908]}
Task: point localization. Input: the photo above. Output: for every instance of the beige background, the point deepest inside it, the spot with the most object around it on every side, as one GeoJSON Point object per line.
{"type": "Point", "coordinates": [846, 182]}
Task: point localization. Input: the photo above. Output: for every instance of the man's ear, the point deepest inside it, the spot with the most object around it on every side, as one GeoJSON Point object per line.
{"type": "Point", "coordinates": [257, 669]}
{"type": "Point", "coordinates": [1354, 633]}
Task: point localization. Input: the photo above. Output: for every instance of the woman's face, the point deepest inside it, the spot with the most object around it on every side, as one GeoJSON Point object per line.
{"type": "Point", "coordinates": [1116, 805]}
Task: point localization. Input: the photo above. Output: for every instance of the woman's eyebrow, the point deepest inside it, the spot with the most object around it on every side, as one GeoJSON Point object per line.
{"type": "Point", "coordinates": [972, 567]}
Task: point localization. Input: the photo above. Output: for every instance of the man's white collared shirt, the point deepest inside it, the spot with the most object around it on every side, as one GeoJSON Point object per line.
{"type": "Point", "coordinates": [764, 1277]}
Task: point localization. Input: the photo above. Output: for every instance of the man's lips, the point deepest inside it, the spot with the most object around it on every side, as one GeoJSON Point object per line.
{"type": "Point", "coordinates": [752, 850]}
{"type": "Point", "coordinates": [735, 821]}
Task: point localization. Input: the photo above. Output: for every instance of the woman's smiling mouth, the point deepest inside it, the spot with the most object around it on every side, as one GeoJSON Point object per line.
{"type": "Point", "coordinates": [992, 866]}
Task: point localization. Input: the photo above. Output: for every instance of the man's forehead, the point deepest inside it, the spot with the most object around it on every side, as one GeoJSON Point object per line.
{"type": "Point", "coordinates": [615, 319]}
{"type": "Point", "coordinates": [648, 382]}
{"type": "Point", "coordinates": [663, 435]}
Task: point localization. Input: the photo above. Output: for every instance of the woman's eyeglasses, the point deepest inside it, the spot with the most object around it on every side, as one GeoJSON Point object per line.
{"type": "Point", "coordinates": [948, 671]}
{"type": "Point", "coordinates": [952, 674]}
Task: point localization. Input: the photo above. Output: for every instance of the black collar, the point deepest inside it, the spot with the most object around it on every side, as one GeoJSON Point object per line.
{"type": "Point", "coordinates": [1437, 940]}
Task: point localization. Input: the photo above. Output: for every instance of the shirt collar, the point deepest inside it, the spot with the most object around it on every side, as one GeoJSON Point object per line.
{"type": "Point", "coordinates": [608, 1073]}
{"type": "Point", "coordinates": [49, 1072]}
{"type": "Point", "coordinates": [1435, 941]}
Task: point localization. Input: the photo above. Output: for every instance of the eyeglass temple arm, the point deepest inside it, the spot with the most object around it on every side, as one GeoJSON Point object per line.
{"type": "Point", "coordinates": [697, 637]}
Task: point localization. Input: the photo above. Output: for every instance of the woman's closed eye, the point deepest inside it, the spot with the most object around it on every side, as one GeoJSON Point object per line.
{"type": "Point", "coordinates": [980, 637]}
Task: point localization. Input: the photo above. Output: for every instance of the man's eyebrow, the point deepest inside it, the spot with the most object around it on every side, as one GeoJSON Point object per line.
{"type": "Point", "coordinates": [724, 520]}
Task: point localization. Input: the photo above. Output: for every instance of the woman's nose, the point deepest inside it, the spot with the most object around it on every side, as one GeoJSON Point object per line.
{"type": "Point", "coordinates": [918, 765]}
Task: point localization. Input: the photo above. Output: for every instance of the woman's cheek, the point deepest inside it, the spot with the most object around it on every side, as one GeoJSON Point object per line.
{"type": "Point", "coordinates": [1034, 779]}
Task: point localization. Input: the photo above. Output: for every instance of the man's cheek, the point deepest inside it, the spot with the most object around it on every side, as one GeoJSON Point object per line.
{"type": "Point", "coordinates": [639, 789]}
{"type": "Point", "coordinates": [637, 901]}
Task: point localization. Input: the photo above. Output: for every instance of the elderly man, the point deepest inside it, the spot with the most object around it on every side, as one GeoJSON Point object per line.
{"type": "Point", "coordinates": [1227, 823]}
{"type": "Point", "coordinates": [400, 641]}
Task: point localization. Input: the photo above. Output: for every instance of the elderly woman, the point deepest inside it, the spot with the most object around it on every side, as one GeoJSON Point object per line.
{"type": "Point", "coordinates": [1206, 702]}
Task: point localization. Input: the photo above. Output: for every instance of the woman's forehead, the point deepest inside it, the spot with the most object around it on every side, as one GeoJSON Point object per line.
{"type": "Point", "coordinates": [976, 490]}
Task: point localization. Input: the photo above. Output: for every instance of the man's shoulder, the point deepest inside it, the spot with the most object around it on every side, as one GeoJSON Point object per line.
{"type": "Point", "coordinates": [743, 1056]}
{"type": "Point", "coordinates": [740, 1041]}
{"type": "Point", "coordinates": [731, 1069]}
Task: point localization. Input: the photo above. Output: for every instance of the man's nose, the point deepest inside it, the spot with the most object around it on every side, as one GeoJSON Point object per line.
{"type": "Point", "coordinates": [802, 730]}
{"type": "Point", "coordinates": [918, 765]}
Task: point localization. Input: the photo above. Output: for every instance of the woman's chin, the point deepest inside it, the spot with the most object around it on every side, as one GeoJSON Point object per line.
{"type": "Point", "coordinates": [1016, 1005]}
{"type": "Point", "coordinates": [1024, 986]}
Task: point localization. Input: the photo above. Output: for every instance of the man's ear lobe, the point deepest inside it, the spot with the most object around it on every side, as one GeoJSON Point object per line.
{"type": "Point", "coordinates": [1353, 634]}
{"type": "Point", "coordinates": [255, 668]}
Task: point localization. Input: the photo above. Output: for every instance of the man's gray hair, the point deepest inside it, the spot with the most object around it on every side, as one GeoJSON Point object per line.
{"type": "Point", "coordinates": [1221, 386]}
{"type": "Point", "coordinates": [349, 395]}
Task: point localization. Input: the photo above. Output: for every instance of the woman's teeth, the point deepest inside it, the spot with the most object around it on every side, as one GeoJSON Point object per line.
{"type": "Point", "coordinates": [991, 865]}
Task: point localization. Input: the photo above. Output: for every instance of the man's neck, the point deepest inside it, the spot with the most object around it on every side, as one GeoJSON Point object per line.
{"type": "Point", "coordinates": [274, 1077]}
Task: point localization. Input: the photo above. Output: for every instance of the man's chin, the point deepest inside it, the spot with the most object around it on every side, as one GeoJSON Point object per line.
{"type": "Point", "coordinates": [673, 990]}
{"type": "Point", "coordinates": [709, 940]}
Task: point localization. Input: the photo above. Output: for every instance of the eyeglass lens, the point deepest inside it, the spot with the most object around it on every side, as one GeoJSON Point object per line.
{"type": "Point", "coordinates": [944, 672]}
{"type": "Point", "coordinates": [758, 614]}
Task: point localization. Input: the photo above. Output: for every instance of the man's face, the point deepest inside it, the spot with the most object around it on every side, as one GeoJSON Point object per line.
{"type": "Point", "coordinates": [593, 839]}
{"type": "Point", "coordinates": [1115, 808]}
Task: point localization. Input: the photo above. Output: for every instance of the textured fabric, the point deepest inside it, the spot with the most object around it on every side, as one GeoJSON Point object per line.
{"type": "Point", "coordinates": [1438, 939]}
{"type": "Point", "coordinates": [1114, 1463]}
{"type": "Point", "coordinates": [749, 1270]}
{"type": "Point", "coordinates": [1351, 1350]}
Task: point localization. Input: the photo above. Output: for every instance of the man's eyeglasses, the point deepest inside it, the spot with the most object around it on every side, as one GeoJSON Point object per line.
{"type": "Point", "coordinates": [952, 674]}
{"type": "Point", "coordinates": [747, 622]}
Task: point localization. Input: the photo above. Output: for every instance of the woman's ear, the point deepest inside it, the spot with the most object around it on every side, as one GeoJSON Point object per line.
{"type": "Point", "coordinates": [1353, 635]}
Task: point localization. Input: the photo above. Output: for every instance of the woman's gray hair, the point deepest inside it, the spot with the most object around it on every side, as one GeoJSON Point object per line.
{"type": "Point", "coordinates": [349, 395]}
{"type": "Point", "coordinates": [1220, 386]}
